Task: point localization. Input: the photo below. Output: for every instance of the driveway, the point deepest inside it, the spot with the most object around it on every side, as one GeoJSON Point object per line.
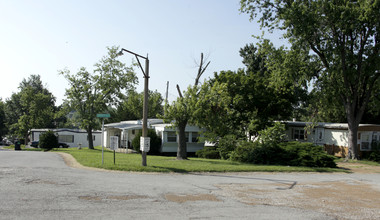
{"type": "Point", "coordinates": [39, 185]}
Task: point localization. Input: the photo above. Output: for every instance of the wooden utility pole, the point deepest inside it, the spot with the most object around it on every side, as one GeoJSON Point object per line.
{"type": "Point", "coordinates": [145, 108]}
{"type": "Point", "coordinates": [144, 140]}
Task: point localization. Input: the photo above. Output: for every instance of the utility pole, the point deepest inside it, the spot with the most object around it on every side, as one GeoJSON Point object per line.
{"type": "Point", "coordinates": [145, 108]}
{"type": "Point", "coordinates": [144, 140]}
{"type": "Point", "coordinates": [166, 96]}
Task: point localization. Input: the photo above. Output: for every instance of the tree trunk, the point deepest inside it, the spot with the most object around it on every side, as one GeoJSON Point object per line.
{"type": "Point", "coordinates": [352, 141]}
{"type": "Point", "coordinates": [26, 138]}
{"type": "Point", "coordinates": [182, 146]}
{"type": "Point", "coordinates": [353, 119]}
{"type": "Point", "coordinates": [89, 137]}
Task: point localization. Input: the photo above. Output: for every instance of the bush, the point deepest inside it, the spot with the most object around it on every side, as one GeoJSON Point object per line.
{"type": "Point", "coordinates": [306, 154]}
{"type": "Point", "coordinates": [226, 145]}
{"type": "Point", "coordinates": [155, 142]}
{"type": "Point", "coordinates": [244, 152]}
{"type": "Point", "coordinates": [373, 155]}
{"type": "Point", "coordinates": [289, 153]}
{"type": "Point", "coordinates": [209, 152]}
{"type": "Point", "coordinates": [272, 135]}
{"type": "Point", "coordinates": [257, 153]}
{"type": "Point", "coordinates": [48, 140]}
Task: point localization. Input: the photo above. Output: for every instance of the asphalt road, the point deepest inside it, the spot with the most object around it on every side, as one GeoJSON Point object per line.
{"type": "Point", "coordinates": [39, 185]}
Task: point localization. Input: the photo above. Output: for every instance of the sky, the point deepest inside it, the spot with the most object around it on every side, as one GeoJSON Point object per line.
{"type": "Point", "coordinates": [42, 37]}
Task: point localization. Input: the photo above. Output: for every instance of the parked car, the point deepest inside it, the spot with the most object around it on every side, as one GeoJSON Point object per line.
{"type": "Point", "coordinates": [6, 142]}
{"type": "Point", "coordinates": [60, 145]}
{"type": "Point", "coordinates": [63, 145]}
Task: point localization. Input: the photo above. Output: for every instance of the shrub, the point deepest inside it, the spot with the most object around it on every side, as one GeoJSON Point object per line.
{"type": "Point", "coordinates": [226, 145]}
{"type": "Point", "coordinates": [155, 142]}
{"type": "Point", "coordinates": [257, 153]}
{"type": "Point", "coordinates": [272, 135]}
{"type": "Point", "coordinates": [209, 152]}
{"type": "Point", "coordinates": [244, 152]}
{"type": "Point", "coordinates": [306, 154]}
{"type": "Point", "coordinates": [48, 140]}
{"type": "Point", "coordinates": [289, 153]}
{"type": "Point", "coordinates": [373, 155]}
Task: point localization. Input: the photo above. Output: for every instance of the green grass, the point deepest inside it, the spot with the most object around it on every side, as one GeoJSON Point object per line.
{"type": "Point", "coordinates": [22, 148]}
{"type": "Point", "coordinates": [132, 162]}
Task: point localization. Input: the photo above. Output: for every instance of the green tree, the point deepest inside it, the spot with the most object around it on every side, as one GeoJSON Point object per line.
{"type": "Point", "coordinates": [31, 107]}
{"type": "Point", "coordinates": [90, 94]}
{"type": "Point", "coordinates": [344, 38]}
{"type": "Point", "coordinates": [181, 111]}
{"type": "Point", "coordinates": [246, 101]}
{"type": "Point", "coordinates": [3, 127]}
{"type": "Point", "coordinates": [131, 107]}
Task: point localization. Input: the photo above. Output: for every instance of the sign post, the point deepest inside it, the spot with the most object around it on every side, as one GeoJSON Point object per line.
{"type": "Point", "coordinates": [114, 145]}
{"type": "Point", "coordinates": [102, 139]}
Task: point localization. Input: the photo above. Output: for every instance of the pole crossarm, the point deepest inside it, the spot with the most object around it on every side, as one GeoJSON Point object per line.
{"type": "Point", "coordinates": [137, 58]}
{"type": "Point", "coordinates": [137, 55]}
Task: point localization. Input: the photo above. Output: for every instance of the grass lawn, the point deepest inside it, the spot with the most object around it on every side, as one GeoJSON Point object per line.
{"type": "Point", "coordinates": [132, 162]}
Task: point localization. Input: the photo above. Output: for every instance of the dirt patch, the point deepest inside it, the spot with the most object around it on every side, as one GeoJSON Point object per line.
{"type": "Point", "coordinates": [343, 200]}
{"type": "Point", "coordinates": [72, 162]}
{"type": "Point", "coordinates": [359, 168]}
{"type": "Point", "coordinates": [191, 198]}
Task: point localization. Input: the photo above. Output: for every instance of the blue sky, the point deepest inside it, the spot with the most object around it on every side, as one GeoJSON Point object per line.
{"type": "Point", "coordinates": [45, 36]}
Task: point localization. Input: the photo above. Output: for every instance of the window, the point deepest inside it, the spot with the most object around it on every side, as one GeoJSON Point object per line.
{"type": "Point", "coordinates": [299, 134]}
{"type": "Point", "coordinates": [194, 137]}
{"type": "Point", "coordinates": [66, 138]}
{"type": "Point", "coordinates": [187, 137]}
{"type": "Point", "coordinates": [366, 141]}
{"type": "Point", "coordinates": [376, 137]}
{"type": "Point", "coordinates": [172, 136]}
{"type": "Point", "coordinates": [375, 141]}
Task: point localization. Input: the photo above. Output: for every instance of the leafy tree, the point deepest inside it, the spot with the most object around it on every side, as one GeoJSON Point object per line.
{"type": "Point", "coordinates": [3, 127]}
{"type": "Point", "coordinates": [181, 111]}
{"type": "Point", "coordinates": [344, 39]}
{"type": "Point", "coordinates": [324, 106]}
{"type": "Point", "coordinates": [246, 101]}
{"type": "Point", "coordinates": [90, 94]}
{"type": "Point", "coordinates": [31, 107]}
{"type": "Point", "coordinates": [131, 107]}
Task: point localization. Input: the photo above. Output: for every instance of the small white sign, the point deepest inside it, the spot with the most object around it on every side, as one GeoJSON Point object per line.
{"type": "Point", "coordinates": [145, 144]}
{"type": "Point", "coordinates": [114, 142]}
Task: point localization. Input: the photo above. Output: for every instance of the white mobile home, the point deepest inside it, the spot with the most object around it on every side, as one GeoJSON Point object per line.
{"type": "Point", "coordinates": [127, 131]}
{"type": "Point", "coordinates": [334, 136]}
{"type": "Point", "coordinates": [71, 137]}
{"type": "Point", "coordinates": [169, 138]}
